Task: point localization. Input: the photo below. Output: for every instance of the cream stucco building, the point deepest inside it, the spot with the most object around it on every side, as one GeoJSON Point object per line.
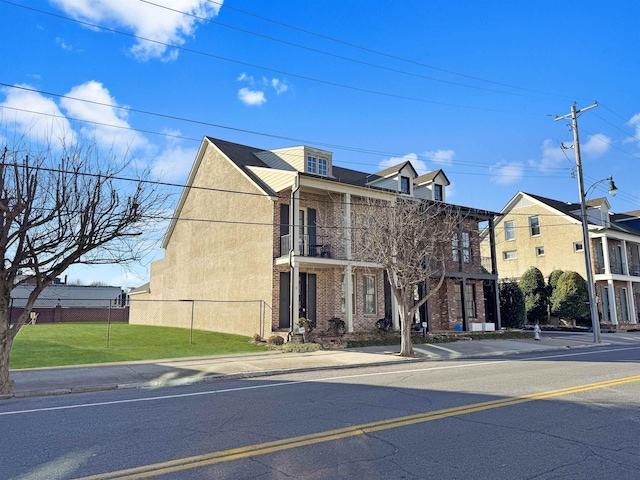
{"type": "Point", "coordinates": [547, 234]}
{"type": "Point", "coordinates": [261, 238]}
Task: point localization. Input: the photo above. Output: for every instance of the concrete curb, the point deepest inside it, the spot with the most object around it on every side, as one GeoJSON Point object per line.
{"type": "Point", "coordinates": [187, 381]}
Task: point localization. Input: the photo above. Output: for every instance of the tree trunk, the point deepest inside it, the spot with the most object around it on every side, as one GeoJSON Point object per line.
{"type": "Point", "coordinates": [6, 384]}
{"type": "Point", "coordinates": [406, 347]}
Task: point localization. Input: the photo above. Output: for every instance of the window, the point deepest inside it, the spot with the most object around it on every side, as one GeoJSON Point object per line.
{"type": "Point", "coordinates": [322, 167]}
{"type": "Point", "coordinates": [437, 192]}
{"type": "Point", "coordinates": [511, 255]}
{"type": "Point", "coordinates": [461, 247]}
{"type": "Point", "coordinates": [353, 294]}
{"type": "Point", "coordinates": [470, 300]}
{"type": "Point", "coordinates": [578, 247]}
{"type": "Point", "coordinates": [534, 226]}
{"type": "Point", "coordinates": [509, 230]}
{"type": "Point", "coordinates": [539, 251]}
{"type": "Point", "coordinates": [405, 186]}
{"type": "Point", "coordinates": [312, 164]}
{"type": "Point", "coordinates": [466, 247]}
{"type": "Point", "coordinates": [369, 291]}
{"type": "Point", "coordinates": [458, 294]}
{"type": "Point", "coordinates": [455, 248]}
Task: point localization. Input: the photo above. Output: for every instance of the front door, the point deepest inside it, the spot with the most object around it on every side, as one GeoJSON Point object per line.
{"type": "Point", "coordinates": [308, 296]}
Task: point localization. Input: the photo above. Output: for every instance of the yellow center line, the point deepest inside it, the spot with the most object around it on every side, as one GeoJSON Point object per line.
{"type": "Point", "coordinates": [172, 466]}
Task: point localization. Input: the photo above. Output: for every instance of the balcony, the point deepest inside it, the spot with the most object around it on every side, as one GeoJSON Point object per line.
{"type": "Point", "coordinates": [322, 247]}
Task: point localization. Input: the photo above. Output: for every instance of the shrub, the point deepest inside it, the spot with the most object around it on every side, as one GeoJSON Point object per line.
{"type": "Point", "coordinates": [275, 340]}
{"type": "Point", "coordinates": [553, 279]}
{"type": "Point", "coordinates": [536, 296]}
{"type": "Point", "coordinates": [337, 326]}
{"type": "Point", "coordinates": [570, 298]}
{"type": "Point", "coordinates": [295, 347]}
{"type": "Point", "coordinates": [256, 338]}
{"type": "Point", "coordinates": [512, 311]}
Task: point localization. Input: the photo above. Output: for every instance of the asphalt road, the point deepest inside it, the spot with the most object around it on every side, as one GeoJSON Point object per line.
{"type": "Point", "coordinates": [569, 415]}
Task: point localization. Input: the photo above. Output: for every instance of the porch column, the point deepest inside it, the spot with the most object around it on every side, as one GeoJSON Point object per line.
{"type": "Point", "coordinates": [612, 302]}
{"type": "Point", "coordinates": [633, 315]}
{"type": "Point", "coordinates": [605, 255]}
{"type": "Point", "coordinates": [294, 218]}
{"type": "Point", "coordinates": [625, 261]}
{"type": "Point", "coordinates": [348, 298]}
{"type": "Point", "coordinates": [347, 225]}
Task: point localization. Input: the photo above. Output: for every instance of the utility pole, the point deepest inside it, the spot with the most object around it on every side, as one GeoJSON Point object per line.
{"type": "Point", "coordinates": [595, 322]}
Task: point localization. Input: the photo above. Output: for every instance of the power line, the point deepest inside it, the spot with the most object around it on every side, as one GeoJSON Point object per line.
{"type": "Point", "coordinates": [377, 52]}
{"type": "Point", "coordinates": [253, 132]}
{"type": "Point", "coordinates": [281, 72]}
{"type": "Point", "coordinates": [341, 57]}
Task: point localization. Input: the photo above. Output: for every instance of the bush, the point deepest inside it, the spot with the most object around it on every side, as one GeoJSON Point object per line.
{"type": "Point", "coordinates": [275, 340]}
{"type": "Point", "coordinates": [570, 298]}
{"type": "Point", "coordinates": [536, 296]}
{"type": "Point", "coordinates": [256, 338]}
{"type": "Point", "coordinates": [512, 310]}
{"type": "Point", "coordinates": [553, 279]}
{"type": "Point", "coordinates": [295, 347]}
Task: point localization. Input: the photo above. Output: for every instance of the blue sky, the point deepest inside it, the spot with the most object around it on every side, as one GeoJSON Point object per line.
{"type": "Point", "coordinates": [470, 87]}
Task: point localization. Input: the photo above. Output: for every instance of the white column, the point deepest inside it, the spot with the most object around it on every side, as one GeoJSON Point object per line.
{"type": "Point", "coordinates": [633, 316]}
{"type": "Point", "coordinates": [612, 303]}
{"type": "Point", "coordinates": [348, 270]}
{"type": "Point", "coordinates": [295, 271]}
{"type": "Point", "coordinates": [605, 256]}
{"type": "Point", "coordinates": [348, 297]}
{"type": "Point", "coordinates": [625, 262]}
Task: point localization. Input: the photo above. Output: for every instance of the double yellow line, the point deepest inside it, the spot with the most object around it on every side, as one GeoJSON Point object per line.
{"type": "Point", "coordinates": [213, 458]}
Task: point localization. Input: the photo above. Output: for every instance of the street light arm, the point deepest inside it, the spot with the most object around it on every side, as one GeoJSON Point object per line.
{"type": "Point", "coordinates": [613, 190]}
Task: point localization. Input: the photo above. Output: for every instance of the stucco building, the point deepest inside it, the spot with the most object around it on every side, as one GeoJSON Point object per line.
{"type": "Point", "coordinates": [547, 234]}
{"type": "Point", "coordinates": [261, 238]}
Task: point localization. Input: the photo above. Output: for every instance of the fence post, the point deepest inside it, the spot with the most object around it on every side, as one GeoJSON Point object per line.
{"type": "Point", "coordinates": [193, 305]}
{"type": "Point", "coordinates": [109, 325]}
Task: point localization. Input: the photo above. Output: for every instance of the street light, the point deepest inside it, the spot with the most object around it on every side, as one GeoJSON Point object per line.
{"type": "Point", "coordinates": [613, 190]}
{"type": "Point", "coordinates": [595, 322]}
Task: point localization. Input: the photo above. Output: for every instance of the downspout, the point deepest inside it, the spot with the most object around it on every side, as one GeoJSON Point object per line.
{"type": "Point", "coordinates": [292, 245]}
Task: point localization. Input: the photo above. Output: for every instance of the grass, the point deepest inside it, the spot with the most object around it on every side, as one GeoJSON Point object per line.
{"type": "Point", "coordinates": [52, 345]}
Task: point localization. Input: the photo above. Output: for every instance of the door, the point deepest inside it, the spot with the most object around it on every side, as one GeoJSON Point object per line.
{"type": "Point", "coordinates": [308, 299]}
{"type": "Point", "coordinates": [284, 301]}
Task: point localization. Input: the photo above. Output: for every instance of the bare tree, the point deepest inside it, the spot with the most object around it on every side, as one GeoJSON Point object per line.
{"type": "Point", "coordinates": [412, 240]}
{"type": "Point", "coordinates": [60, 207]}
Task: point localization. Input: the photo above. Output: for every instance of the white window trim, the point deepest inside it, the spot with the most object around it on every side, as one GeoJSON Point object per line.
{"type": "Point", "coordinates": [504, 255]}
{"type": "Point", "coordinates": [364, 295]}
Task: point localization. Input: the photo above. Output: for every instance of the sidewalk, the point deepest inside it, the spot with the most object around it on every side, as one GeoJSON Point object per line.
{"type": "Point", "coordinates": [187, 371]}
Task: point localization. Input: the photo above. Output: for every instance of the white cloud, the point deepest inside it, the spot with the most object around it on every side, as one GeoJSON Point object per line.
{"type": "Point", "coordinates": [552, 157]}
{"type": "Point", "coordinates": [506, 173]}
{"type": "Point", "coordinates": [419, 165]}
{"type": "Point", "coordinates": [443, 157]}
{"type": "Point", "coordinates": [279, 86]}
{"type": "Point", "coordinates": [51, 124]}
{"type": "Point", "coordinates": [174, 163]}
{"type": "Point", "coordinates": [243, 77]}
{"type": "Point", "coordinates": [145, 20]}
{"type": "Point", "coordinates": [251, 97]}
{"type": "Point", "coordinates": [596, 145]}
{"type": "Point", "coordinates": [103, 114]}
{"type": "Point", "coordinates": [635, 123]}
{"type": "Point", "coordinates": [63, 44]}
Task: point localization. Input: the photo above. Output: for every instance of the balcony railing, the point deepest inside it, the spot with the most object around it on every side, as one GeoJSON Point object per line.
{"type": "Point", "coordinates": [322, 247]}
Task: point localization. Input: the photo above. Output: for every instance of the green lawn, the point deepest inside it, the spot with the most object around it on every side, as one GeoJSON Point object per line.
{"type": "Point", "coordinates": [50, 345]}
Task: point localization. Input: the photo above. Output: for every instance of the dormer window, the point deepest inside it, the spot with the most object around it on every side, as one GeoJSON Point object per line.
{"type": "Point", "coordinates": [437, 192]}
{"type": "Point", "coordinates": [317, 165]}
{"type": "Point", "coordinates": [405, 185]}
{"type": "Point", "coordinates": [322, 167]}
